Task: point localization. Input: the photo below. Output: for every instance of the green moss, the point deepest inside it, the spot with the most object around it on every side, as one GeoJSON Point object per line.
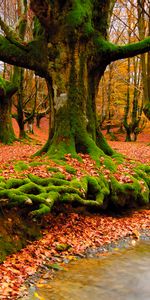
{"type": "Point", "coordinates": [58, 182]}
{"type": "Point", "coordinates": [58, 149]}
{"type": "Point", "coordinates": [93, 185]}
{"type": "Point", "coordinates": [129, 194]}
{"type": "Point", "coordinates": [81, 13]}
{"type": "Point", "coordinates": [59, 175]}
{"type": "Point", "coordinates": [2, 185]}
{"type": "Point", "coordinates": [144, 168]}
{"type": "Point", "coordinates": [20, 166]}
{"type": "Point", "coordinates": [48, 181]}
{"type": "Point", "coordinates": [39, 180]}
{"type": "Point", "coordinates": [37, 199]}
{"type": "Point", "coordinates": [119, 159]}
{"type": "Point", "coordinates": [64, 189]}
{"type": "Point", "coordinates": [102, 143]}
{"type": "Point", "coordinates": [17, 200]}
{"type": "Point", "coordinates": [71, 170]}
{"type": "Point", "coordinates": [53, 169]}
{"type": "Point", "coordinates": [6, 248]}
{"type": "Point", "coordinates": [31, 188]}
{"type": "Point", "coordinates": [103, 46]}
{"type": "Point", "coordinates": [37, 163]}
{"type": "Point", "coordinates": [109, 164]}
{"type": "Point", "coordinates": [81, 184]}
{"type": "Point", "coordinates": [59, 162]}
{"type": "Point", "coordinates": [43, 210]}
{"type": "Point", "coordinates": [4, 193]}
{"type": "Point", "coordinates": [87, 145]}
{"type": "Point", "coordinates": [14, 183]}
{"type": "Point", "coordinates": [74, 198]}
{"type": "Point", "coordinates": [140, 174]}
{"type": "Point", "coordinates": [2, 182]}
{"type": "Point", "coordinates": [3, 86]}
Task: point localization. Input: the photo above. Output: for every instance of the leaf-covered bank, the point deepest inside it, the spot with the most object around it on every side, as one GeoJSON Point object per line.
{"type": "Point", "coordinates": [66, 235]}
{"type": "Point", "coordinates": [67, 232]}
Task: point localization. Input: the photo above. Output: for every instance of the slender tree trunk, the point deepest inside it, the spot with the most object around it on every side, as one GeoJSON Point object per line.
{"type": "Point", "coordinates": [7, 135]}
{"type": "Point", "coordinates": [18, 76]}
{"type": "Point", "coordinates": [125, 122]}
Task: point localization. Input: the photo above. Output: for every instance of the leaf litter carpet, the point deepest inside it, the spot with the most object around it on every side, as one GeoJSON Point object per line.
{"type": "Point", "coordinates": [79, 232]}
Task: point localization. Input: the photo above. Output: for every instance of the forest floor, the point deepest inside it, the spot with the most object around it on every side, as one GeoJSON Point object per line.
{"type": "Point", "coordinates": [61, 236]}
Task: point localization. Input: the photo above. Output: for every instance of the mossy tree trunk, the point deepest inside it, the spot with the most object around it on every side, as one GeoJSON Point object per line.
{"type": "Point", "coordinates": [70, 49]}
{"type": "Point", "coordinates": [18, 74]}
{"type": "Point", "coordinates": [18, 79]}
{"type": "Point", "coordinates": [75, 128]}
{"type": "Point", "coordinates": [7, 90]}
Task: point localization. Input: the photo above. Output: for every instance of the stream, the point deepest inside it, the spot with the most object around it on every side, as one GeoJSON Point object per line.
{"type": "Point", "coordinates": [121, 275]}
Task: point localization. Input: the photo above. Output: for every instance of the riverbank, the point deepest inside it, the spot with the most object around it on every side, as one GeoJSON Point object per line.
{"type": "Point", "coordinates": [127, 236]}
{"type": "Point", "coordinates": [109, 276]}
{"type": "Point", "coordinates": [65, 237]}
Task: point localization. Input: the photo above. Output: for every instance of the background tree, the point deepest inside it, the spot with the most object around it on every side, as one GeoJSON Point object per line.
{"type": "Point", "coordinates": [144, 30]}
{"type": "Point", "coordinates": [125, 83]}
{"type": "Point", "coordinates": [18, 15]}
{"type": "Point", "coordinates": [7, 90]}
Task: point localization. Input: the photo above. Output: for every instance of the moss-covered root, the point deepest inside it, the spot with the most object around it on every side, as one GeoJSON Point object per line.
{"type": "Point", "coordinates": [46, 207]}
{"type": "Point", "coordinates": [93, 192]}
{"type": "Point", "coordinates": [85, 144]}
{"type": "Point", "coordinates": [102, 143]}
{"type": "Point", "coordinates": [41, 195]}
{"type": "Point", "coordinates": [129, 194]}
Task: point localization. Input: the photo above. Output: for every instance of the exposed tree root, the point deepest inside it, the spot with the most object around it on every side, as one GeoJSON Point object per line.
{"type": "Point", "coordinates": [41, 194]}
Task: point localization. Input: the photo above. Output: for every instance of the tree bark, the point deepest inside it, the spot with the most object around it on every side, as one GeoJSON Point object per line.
{"type": "Point", "coordinates": [7, 90]}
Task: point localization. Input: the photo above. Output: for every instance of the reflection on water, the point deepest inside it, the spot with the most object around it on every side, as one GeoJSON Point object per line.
{"type": "Point", "coordinates": [124, 275]}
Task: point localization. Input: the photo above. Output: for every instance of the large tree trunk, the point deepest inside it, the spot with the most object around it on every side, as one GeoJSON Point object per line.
{"type": "Point", "coordinates": [75, 129]}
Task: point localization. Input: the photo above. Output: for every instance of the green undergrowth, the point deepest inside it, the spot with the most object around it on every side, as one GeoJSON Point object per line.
{"type": "Point", "coordinates": [37, 163]}
{"type": "Point", "coordinates": [21, 166]}
{"type": "Point", "coordinates": [40, 195]}
{"type": "Point", "coordinates": [71, 170]}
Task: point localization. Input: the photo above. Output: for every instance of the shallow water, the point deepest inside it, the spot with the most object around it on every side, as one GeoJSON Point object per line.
{"type": "Point", "coordinates": [122, 275]}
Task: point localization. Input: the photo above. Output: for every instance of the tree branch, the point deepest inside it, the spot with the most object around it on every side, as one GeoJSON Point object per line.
{"type": "Point", "coordinates": [26, 57]}
{"type": "Point", "coordinates": [11, 35]}
{"type": "Point", "coordinates": [119, 52]}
